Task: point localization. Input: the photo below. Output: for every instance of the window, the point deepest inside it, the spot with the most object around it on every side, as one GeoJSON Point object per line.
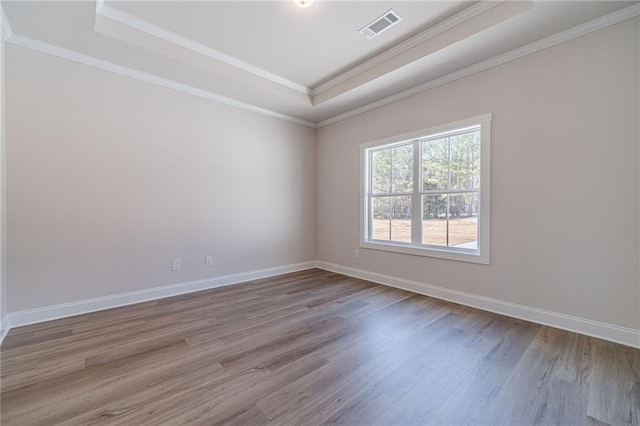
{"type": "Point", "coordinates": [427, 193]}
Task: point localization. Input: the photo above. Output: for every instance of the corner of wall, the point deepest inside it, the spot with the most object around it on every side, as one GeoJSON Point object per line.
{"type": "Point", "coordinates": [316, 180]}
{"type": "Point", "coordinates": [4, 328]}
{"type": "Point", "coordinates": [4, 324]}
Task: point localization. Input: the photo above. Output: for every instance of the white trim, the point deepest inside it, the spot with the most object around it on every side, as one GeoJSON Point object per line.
{"type": "Point", "coordinates": [167, 35]}
{"type": "Point", "coordinates": [610, 332]}
{"type": "Point", "coordinates": [613, 333]}
{"type": "Point", "coordinates": [531, 48]}
{"type": "Point", "coordinates": [4, 328]}
{"type": "Point", "coordinates": [49, 313]}
{"type": "Point", "coordinates": [431, 32]}
{"type": "Point", "coordinates": [448, 253]}
{"type": "Point", "coordinates": [177, 39]}
{"type": "Point", "coordinates": [71, 55]}
{"type": "Point", "coordinates": [481, 255]}
{"type": "Point", "coordinates": [553, 40]}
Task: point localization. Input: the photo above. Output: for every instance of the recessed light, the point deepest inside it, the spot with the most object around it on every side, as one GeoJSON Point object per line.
{"type": "Point", "coordinates": [303, 3]}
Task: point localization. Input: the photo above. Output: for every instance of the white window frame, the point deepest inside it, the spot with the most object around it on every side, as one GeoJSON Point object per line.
{"type": "Point", "coordinates": [479, 255]}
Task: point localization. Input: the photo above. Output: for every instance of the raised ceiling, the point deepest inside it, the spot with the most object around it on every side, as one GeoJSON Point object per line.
{"type": "Point", "coordinates": [306, 46]}
{"type": "Point", "coordinates": [308, 65]}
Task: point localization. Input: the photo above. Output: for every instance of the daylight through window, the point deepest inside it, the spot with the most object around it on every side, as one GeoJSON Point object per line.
{"type": "Point", "coordinates": [427, 193]}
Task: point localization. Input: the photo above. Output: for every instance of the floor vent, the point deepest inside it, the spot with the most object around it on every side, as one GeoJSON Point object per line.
{"type": "Point", "coordinates": [381, 24]}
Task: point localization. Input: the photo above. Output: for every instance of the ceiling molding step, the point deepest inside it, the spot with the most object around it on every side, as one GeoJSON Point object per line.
{"type": "Point", "coordinates": [439, 28]}
{"type": "Point", "coordinates": [5, 27]}
{"type": "Point", "coordinates": [126, 19]}
{"type": "Point", "coordinates": [481, 20]}
{"type": "Point", "coordinates": [81, 58]}
{"type": "Point", "coordinates": [561, 37]}
{"type": "Point", "coordinates": [553, 40]}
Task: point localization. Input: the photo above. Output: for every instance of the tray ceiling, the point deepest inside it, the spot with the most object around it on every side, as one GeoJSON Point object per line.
{"type": "Point", "coordinates": [310, 65]}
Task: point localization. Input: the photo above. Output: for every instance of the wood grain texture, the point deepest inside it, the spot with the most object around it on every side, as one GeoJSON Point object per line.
{"type": "Point", "coordinates": [310, 348]}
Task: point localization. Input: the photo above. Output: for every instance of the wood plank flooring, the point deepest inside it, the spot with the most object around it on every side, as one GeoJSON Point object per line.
{"type": "Point", "coordinates": [311, 348]}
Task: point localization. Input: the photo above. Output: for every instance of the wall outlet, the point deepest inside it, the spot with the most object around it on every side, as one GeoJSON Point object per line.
{"type": "Point", "coordinates": [176, 264]}
{"type": "Point", "coordinates": [208, 261]}
{"type": "Point", "coordinates": [356, 253]}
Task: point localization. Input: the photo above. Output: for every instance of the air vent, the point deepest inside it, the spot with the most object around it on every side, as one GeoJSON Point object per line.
{"type": "Point", "coordinates": [381, 24]}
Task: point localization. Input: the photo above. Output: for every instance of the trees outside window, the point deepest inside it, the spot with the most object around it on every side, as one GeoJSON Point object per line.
{"type": "Point", "coordinates": [428, 192]}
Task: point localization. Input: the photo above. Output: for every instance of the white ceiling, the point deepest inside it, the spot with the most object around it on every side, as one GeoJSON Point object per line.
{"type": "Point", "coordinates": [306, 45]}
{"type": "Point", "coordinates": [311, 63]}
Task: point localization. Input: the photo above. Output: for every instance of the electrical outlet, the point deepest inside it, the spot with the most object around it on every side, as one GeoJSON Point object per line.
{"type": "Point", "coordinates": [357, 253]}
{"type": "Point", "coordinates": [176, 264]}
{"type": "Point", "coordinates": [208, 261]}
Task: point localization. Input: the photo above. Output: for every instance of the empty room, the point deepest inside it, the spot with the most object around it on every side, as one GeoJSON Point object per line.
{"type": "Point", "coordinates": [311, 212]}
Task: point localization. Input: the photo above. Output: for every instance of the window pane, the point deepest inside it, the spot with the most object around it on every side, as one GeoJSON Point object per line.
{"type": "Point", "coordinates": [392, 218]}
{"type": "Point", "coordinates": [463, 220]}
{"type": "Point", "coordinates": [434, 220]}
{"type": "Point", "coordinates": [381, 209]}
{"type": "Point", "coordinates": [465, 160]}
{"type": "Point", "coordinates": [435, 164]}
{"type": "Point", "coordinates": [401, 219]}
{"type": "Point", "coordinates": [402, 164]}
{"type": "Point", "coordinates": [439, 173]}
{"type": "Point", "coordinates": [381, 172]}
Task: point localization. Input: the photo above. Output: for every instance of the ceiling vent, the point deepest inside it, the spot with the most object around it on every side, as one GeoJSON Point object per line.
{"type": "Point", "coordinates": [380, 24]}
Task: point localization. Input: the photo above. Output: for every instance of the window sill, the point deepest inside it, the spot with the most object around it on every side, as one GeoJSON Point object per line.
{"type": "Point", "coordinates": [461, 255]}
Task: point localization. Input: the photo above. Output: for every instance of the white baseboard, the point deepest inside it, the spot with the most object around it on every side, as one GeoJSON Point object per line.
{"type": "Point", "coordinates": [613, 333]}
{"type": "Point", "coordinates": [4, 327]}
{"type": "Point", "coordinates": [48, 313]}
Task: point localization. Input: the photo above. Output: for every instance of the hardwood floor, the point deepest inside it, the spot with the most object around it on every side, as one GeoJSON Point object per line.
{"type": "Point", "coordinates": [311, 348]}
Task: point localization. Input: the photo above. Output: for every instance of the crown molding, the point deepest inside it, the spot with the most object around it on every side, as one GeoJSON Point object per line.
{"type": "Point", "coordinates": [561, 37]}
{"type": "Point", "coordinates": [123, 18]}
{"type": "Point", "coordinates": [129, 20]}
{"type": "Point", "coordinates": [431, 32]}
{"type": "Point", "coordinates": [443, 37]}
{"type": "Point", "coordinates": [553, 40]}
{"type": "Point", "coordinates": [71, 55]}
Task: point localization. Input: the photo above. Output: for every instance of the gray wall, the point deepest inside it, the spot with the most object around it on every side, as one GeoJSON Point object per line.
{"type": "Point", "coordinates": [564, 179]}
{"type": "Point", "coordinates": [110, 178]}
